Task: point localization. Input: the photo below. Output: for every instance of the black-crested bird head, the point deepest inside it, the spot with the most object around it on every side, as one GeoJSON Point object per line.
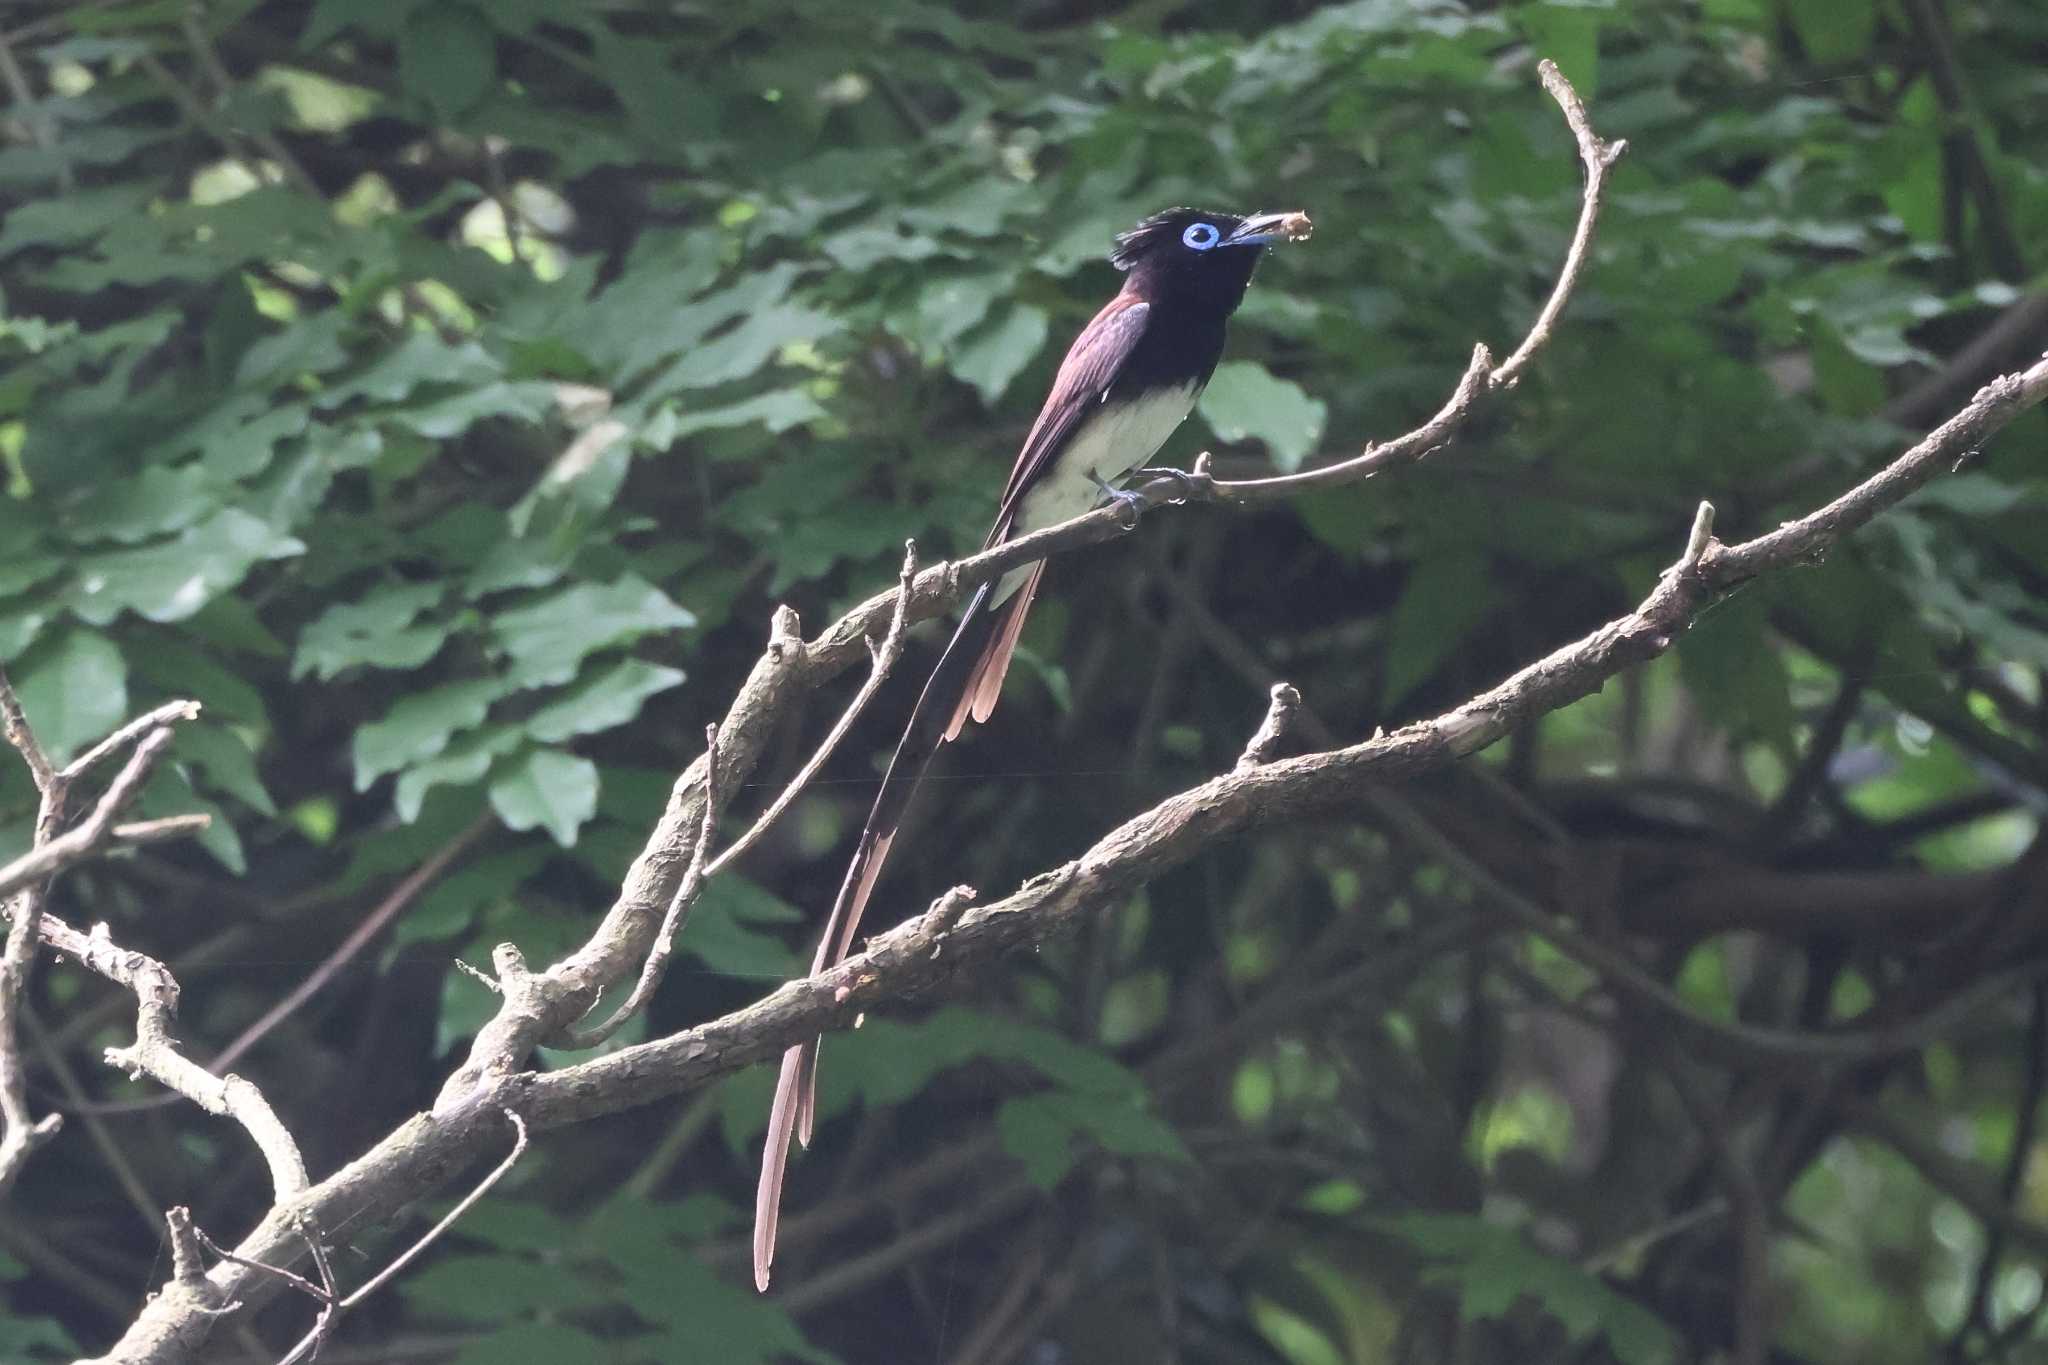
{"type": "Point", "coordinates": [1199, 257]}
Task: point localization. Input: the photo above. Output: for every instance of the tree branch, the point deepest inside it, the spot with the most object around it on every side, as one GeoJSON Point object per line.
{"type": "Point", "coordinates": [27, 877]}
{"type": "Point", "coordinates": [791, 667]}
{"type": "Point", "coordinates": [907, 962]}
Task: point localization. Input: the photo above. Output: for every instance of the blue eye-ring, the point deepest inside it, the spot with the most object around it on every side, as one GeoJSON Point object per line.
{"type": "Point", "coordinates": [1200, 236]}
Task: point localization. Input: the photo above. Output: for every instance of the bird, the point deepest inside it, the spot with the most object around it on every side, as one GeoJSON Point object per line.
{"type": "Point", "coordinates": [1129, 379]}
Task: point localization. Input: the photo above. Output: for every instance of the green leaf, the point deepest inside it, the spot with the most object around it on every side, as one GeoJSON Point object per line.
{"type": "Point", "coordinates": [778, 410]}
{"type": "Point", "coordinates": [380, 17]}
{"type": "Point", "coordinates": [465, 761]}
{"type": "Point", "coordinates": [717, 934]}
{"type": "Point", "coordinates": [419, 726]}
{"type": "Point", "coordinates": [950, 305]}
{"type": "Point", "coordinates": [1450, 592]}
{"type": "Point", "coordinates": [448, 908]}
{"type": "Point", "coordinates": [25, 571]}
{"type": "Point", "coordinates": [423, 358]}
{"type": "Point", "coordinates": [1736, 675]}
{"type": "Point", "coordinates": [169, 792]}
{"type": "Point", "coordinates": [1040, 1130]}
{"type": "Point", "coordinates": [310, 346]}
{"type": "Point", "coordinates": [1038, 1137]}
{"type": "Point", "coordinates": [655, 313]}
{"type": "Point", "coordinates": [696, 1307]}
{"type": "Point", "coordinates": [74, 691]}
{"type": "Point", "coordinates": [1244, 399]}
{"type": "Point", "coordinates": [1834, 30]}
{"type": "Point", "coordinates": [737, 353]}
{"type": "Point", "coordinates": [526, 401]}
{"type": "Point", "coordinates": [173, 580]}
{"type": "Point", "coordinates": [19, 628]}
{"type": "Point", "coordinates": [611, 698]}
{"type": "Point", "coordinates": [546, 788]}
{"type": "Point", "coordinates": [71, 218]}
{"type": "Point", "coordinates": [1492, 1269]}
{"type": "Point", "coordinates": [995, 353]}
{"type": "Point", "coordinates": [533, 1343]}
{"type": "Point", "coordinates": [175, 666]}
{"type": "Point", "coordinates": [549, 639]}
{"type": "Point", "coordinates": [377, 632]}
{"type": "Point", "coordinates": [447, 58]}
{"type": "Point", "coordinates": [481, 1288]}
{"type": "Point", "coordinates": [23, 1334]}
{"type": "Point", "coordinates": [224, 756]}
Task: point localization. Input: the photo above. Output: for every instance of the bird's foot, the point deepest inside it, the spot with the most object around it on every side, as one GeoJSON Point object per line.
{"type": "Point", "coordinates": [1190, 484]}
{"type": "Point", "coordinates": [1132, 504]}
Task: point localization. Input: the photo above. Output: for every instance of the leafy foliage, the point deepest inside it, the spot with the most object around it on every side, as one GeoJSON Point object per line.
{"type": "Point", "coordinates": [444, 394]}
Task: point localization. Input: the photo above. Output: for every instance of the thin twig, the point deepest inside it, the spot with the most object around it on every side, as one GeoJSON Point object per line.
{"type": "Point", "coordinates": [186, 1241]}
{"type": "Point", "coordinates": [169, 713]}
{"type": "Point", "coordinates": [394, 904]}
{"type": "Point", "coordinates": [1481, 374]}
{"type": "Point", "coordinates": [692, 886]}
{"type": "Point", "coordinates": [901, 964]}
{"type": "Point", "coordinates": [14, 725]}
{"type": "Point", "coordinates": [1598, 157]}
{"type": "Point", "coordinates": [883, 658]}
{"type": "Point", "coordinates": [700, 872]}
{"type": "Point", "coordinates": [27, 877]}
{"type": "Point", "coordinates": [86, 838]}
{"type": "Point", "coordinates": [448, 1220]}
{"type": "Point", "coordinates": [290, 1277]}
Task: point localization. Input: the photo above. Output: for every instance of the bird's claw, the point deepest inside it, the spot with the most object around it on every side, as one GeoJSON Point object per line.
{"type": "Point", "coordinates": [1132, 504]}
{"type": "Point", "coordinates": [1189, 484]}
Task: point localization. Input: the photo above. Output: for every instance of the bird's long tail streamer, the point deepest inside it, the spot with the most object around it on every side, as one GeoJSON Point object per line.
{"type": "Point", "coordinates": [960, 677]}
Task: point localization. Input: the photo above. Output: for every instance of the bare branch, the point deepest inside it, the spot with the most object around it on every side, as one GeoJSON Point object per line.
{"type": "Point", "coordinates": [656, 966]}
{"type": "Point", "coordinates": [14, 724]}
{"type": "Point", "coordinates": [786, 671]}
{"type": "Point", "coordinates": [884, 658]}
{"type": "Point", "coordinates": [907, 962]}
{"type": "Point", "coordinates": [168, 714]}
{"type": "Point", "coordinates": [1481, 375]}
{"type": "Point", "coordinates": [89, 835]}
{"type": "Point", "coordinates": [901, 963]}
{"type": "Point", "coordinates": [1280, 714]}
{"type": "Point", "coordinates": [155, 1053]}
{"type": "Point", "coordinates": [26, 877]}
{"type": "Point", "coordinates": [187, 1266]}
{"type": "Point", "coordinates": [1598, 158]}
{"type": "Point", "coordinates": [448, 1219]}
{"type": "Point", "coordinates": [292, 1278]}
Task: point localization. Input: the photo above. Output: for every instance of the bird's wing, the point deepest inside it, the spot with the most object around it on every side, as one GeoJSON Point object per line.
{"type": "Point", "coordinates": [1085, 378]}
{"type": "Point", "coordinates": [1091, 368]}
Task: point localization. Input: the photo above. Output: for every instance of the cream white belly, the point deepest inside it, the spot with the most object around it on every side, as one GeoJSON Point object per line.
{"type": "Point", "coordinates": [1112, 441]}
